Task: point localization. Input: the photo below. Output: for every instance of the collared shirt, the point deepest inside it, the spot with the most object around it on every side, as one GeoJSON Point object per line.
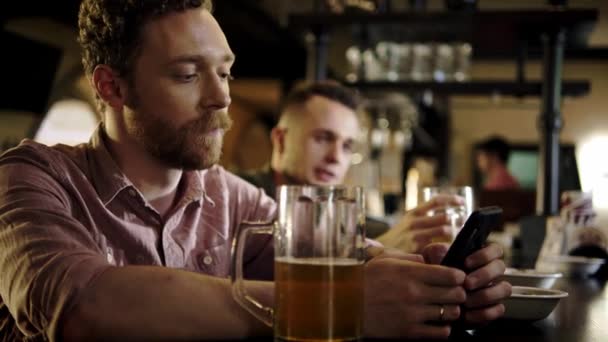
{"type": "Point", "coordinates": [69, 213]}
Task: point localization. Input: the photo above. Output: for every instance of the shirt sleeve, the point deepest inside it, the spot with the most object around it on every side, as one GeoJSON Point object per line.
{"type": "Point", "coordinates": [47, 257]}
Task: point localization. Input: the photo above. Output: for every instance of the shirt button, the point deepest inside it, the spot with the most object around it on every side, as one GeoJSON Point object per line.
{"type": "Point", "coordinates": [208, 199]}
{"type": "Point", "coordinates": [110, 255]}
{"type": "Point", "coordinates": [207, 260]}
{"type": "Point", "coordinates": [132, 192]}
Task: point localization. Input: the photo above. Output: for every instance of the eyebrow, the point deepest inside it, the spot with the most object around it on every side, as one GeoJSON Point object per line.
{"type": "Point", "coordinates": [196, 58]}
{"type": "Point", "coordinates": [333, 134]}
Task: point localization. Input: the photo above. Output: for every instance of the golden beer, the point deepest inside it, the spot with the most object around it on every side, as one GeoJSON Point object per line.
{"type": "Point", "coordinates": [318, 299]}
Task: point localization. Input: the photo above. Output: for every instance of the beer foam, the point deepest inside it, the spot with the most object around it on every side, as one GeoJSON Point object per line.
{"type": "Point", "coordinates": [319, 261]}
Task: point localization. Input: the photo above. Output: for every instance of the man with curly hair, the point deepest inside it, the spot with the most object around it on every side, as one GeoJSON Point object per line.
{"type": "Point", "coordinates": [128, 236]}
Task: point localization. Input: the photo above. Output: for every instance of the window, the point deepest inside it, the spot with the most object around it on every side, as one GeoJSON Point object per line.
{"type": "Point", "coordinates": [69, 122]}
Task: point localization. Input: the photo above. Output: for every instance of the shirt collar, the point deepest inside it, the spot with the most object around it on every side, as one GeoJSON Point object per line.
{"type": "Point", "coordinates": [193, 189]}
{"type": "Point", "coordinates": [107, 177]}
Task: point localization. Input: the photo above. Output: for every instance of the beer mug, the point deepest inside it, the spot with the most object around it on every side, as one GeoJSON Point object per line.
{"type": "Point", "coordinates": [457, 215]}
{"type": "Point", "coordinates": [319, 251]}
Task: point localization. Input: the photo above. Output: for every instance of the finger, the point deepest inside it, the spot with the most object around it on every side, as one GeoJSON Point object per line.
{"type": "Point", "coordinates": [423, 222]}
{"type": "Point", "coordinates": [426, 331]}
{"type": "Point", "coordinates": [484, 315]}
{"type": "Point", "coordinates": [432, 313]}
{"type": "Point", "coordinates": [435, 252]}
{"type": "Point", "coordinates": [373, 252]}
{"type": "Point", "coordinates": [398, 254]}
{"type": "Point", "coordinates": [484, 275]}
{"type": "Point", "coordinates": [488, 296]}
{"type": "Point", "coordinates": [483, 256]}
{"type": "Point", "coordinates": [436, 275]}
{"type": "Point", "coordinates": [444, 295]}
{"type": "Point", "coordinates": [437, 201]}
{"type": "Point", "coordinates": [430, 233]}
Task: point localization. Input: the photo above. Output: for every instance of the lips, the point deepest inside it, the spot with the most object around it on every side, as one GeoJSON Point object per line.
{"type": "Point", "coordinates": [324, 175]}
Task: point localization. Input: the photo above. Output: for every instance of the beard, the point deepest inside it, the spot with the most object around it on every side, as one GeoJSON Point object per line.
{"type": "Point", "coordinates": [194, 145]}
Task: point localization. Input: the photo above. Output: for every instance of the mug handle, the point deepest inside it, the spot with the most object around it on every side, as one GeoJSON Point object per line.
{"type": "Point", "coordinates": [239, 292]}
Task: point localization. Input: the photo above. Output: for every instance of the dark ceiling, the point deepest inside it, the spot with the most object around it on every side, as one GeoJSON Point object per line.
{"type": "Point", "coordinates": [64, 11]}
{"type": "Point", "coordinates": [264, 48]}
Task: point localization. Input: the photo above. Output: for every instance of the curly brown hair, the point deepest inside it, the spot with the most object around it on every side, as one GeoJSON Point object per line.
{"type": "Point", "coordinates": [110, 30]}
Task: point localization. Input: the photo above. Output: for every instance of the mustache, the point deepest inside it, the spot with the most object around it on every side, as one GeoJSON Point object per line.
{"type": "Point", "coordinates": [219, 120]}
{"type": "Point", "coordinates": [210, 122]}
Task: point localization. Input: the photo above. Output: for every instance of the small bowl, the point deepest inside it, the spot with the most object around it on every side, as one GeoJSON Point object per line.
{"type": "Point", "coordinates": [571, 266]}
{"type": "Point", "coordinates": [531, 303]}
{"type": "Point", "coordinates": [530, 277]}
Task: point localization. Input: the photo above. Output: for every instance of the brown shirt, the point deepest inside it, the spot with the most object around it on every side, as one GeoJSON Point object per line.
{"type": "Point", "coordinates": [69, 213]}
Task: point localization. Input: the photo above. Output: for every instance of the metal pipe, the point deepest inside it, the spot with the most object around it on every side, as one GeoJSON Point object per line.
{"type": "Point", "coordinates": [550, 124]}
{"type": "Point", "coordinates": [317, 45]}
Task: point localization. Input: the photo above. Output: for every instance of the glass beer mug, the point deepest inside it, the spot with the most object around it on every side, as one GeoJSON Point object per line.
{"type": "Point", "coordinates": [319, 253]}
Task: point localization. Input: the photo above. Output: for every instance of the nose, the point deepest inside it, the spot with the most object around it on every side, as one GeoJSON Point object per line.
{"type": "Point", "coordinates": [215, 94]}
{"type": "Point", "coordinates": [334, 152]}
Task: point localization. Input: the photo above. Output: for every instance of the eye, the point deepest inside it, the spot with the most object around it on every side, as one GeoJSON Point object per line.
{"type": "Point", "coordinates": [323, 137]}
{"type": "Point", "coordinates": [320, 137]}
{"type": "Point", "coordinates": [227, 76]}
{"type": "Point", "coordinates": [348, 147]}
{"type": "Point", "coordinates": [185, 78]}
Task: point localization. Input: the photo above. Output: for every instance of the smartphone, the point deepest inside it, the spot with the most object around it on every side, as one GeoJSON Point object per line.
{"type": "Point", "coordinates": [472, 236]}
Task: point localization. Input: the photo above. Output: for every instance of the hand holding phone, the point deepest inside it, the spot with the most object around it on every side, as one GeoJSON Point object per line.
{"type": "Point", "coordinates": [472, 236]}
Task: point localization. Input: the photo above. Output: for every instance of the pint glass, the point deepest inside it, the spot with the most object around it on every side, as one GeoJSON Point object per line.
{"type": "Point", "coordinates": [457, 215]}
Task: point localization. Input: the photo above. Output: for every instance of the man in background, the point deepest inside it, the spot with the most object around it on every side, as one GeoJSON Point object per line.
{"type": "Point", "coordinates": [313, 143]}
{"type": "Point", "coordinates": [492, 156]}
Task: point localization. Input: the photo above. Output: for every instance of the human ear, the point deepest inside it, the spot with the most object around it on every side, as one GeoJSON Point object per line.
{"type": "Point", "coordinates": [277, 136]}
{"type": "Point", "coordinates": [109, 87]}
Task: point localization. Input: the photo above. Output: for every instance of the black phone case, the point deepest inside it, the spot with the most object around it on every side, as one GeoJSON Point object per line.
{"type": "Point", "coordinates": [472, 236]}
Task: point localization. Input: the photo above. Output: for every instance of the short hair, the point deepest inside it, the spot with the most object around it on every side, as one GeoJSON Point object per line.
{"type": "Point", "coordinates": [496, 145]}
{"type": "Point", "coordinates": [328, 89]}
{"type": "Point", "coordinates": [110, 30]}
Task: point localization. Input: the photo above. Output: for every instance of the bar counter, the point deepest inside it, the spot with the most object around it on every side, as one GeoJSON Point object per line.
{"type": "Point", "coordinates": [580, 317]}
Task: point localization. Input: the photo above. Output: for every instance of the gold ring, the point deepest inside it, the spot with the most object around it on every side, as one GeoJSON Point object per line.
{"type": "Point", "coordinates": [441, 312]}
